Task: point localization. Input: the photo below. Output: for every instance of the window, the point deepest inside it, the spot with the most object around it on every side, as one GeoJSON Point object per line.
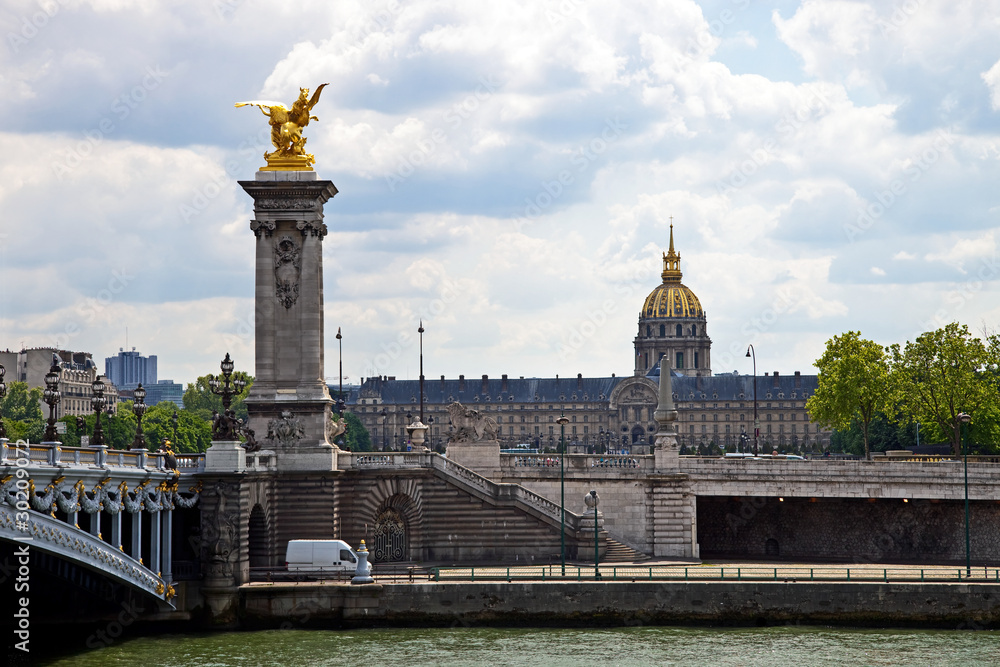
{"type": "Point", "coordinates": [703, 418]}
{"type": "Point", "coordinates": [680, 360]}
{"type": "Point", "coordinates": [694, 330]}
{"type": "Point", "coordinates": [679, 332]}
{"type": "Point", "coordinates": [696, 360]}
{"type": "Point", "coordinates": [649, 331]}
{"type": "Point", "coordinates": [663, 330]}
{"type": "Point", "coordinates": [345, 554]}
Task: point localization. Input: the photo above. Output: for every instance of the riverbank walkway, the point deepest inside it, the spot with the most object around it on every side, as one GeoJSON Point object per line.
{"type": "Point", "coordinates": [666, 570]}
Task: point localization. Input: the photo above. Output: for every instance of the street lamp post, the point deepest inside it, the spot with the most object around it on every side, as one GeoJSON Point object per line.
{"type": "Point", "coordinates": [384, 415]}
{"type": "Point", "coordinates": [51, 397]}
{"type": "Point", "coordinates": [964, 419]}
{"type": "Point", "coordinates": [597, 571]}
{"type": "Point", "coordinates": [3, 392]}
{"type": "Point", "coordinates": [98, 402]}
{"type": "Point", "coordinates": [420, 331]}
{"type": "Point", "coordinates": [756, 421]}
{"type": "Point", "coordinates": [562, 421]}
{"type": "Point", "coordinates": [139, 409]}
{"type": "Point", "coordinates": [225, 425]}
{"type": "Point", "coordinates": [340, 378]}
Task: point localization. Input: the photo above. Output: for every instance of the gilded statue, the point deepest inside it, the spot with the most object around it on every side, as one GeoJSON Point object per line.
{"type": "Point", "coordinates": [286, 131]}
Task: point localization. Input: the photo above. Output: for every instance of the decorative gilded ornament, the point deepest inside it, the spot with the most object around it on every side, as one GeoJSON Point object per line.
{"type": "Point", "coordinates": [286, 131]}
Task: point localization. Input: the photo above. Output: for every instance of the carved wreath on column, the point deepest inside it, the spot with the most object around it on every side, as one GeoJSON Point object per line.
{"type": "Point", "coordinates": [285, 431]}
{"type": "Point", "coordinates": [287, 267]}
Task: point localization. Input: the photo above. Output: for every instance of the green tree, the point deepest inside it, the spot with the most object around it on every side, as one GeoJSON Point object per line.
{"type": "Point", "coordinates": [358, 437]}
{"type": "Point", "coordinates": [21, 403]}
{"type": "Point", "coordinates": [942, 374]}
{"type": "Point", "coordinates": [194, 434]}
{"type": "Point", "coordinates": [852, 386]}
{"type": "Point", "coordinates": [199, 399]}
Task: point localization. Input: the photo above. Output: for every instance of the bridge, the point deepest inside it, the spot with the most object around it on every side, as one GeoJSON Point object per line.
{"type": "Point", "coordinates": [125, 500]}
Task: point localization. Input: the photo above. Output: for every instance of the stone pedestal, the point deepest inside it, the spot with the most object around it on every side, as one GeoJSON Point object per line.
{"type": "Point", "coordinates": [289, 332]}
{"type": "Point", "coordinates": [225, 456]}
{"type": "Point", "coordinates": [482, 457]}
{"type": "Point", "coordinates": [674, 517]}
{"type": "Point", "coordinates": [585, 548]}
{"type": "Point", "coordinates": [666, 452]}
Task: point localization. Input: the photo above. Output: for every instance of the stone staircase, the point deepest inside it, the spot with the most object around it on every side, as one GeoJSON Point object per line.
{"type": "Point", "coordinates": [622, 553]}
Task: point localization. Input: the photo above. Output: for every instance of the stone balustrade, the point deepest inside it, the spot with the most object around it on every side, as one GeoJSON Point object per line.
{"type": "Point", "coordinates": [99, 457]}
{"type": "Point", "coordinates": [576, 465]}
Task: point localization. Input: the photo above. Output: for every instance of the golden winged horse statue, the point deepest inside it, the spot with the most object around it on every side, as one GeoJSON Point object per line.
{"type": "Point", "coordinates": [286, 130]}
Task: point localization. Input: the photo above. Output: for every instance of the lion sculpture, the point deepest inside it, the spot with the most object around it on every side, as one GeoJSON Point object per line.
{"type": "Point", "coordinates": [470, 425]}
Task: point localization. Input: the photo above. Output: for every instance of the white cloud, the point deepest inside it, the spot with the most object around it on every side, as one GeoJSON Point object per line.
{"type": "Point", "coordinates": [992, 79]}
{"type": "Point", "coordinates": [965, 251]}
{"type": "Point", "coordinates": [445, 121]}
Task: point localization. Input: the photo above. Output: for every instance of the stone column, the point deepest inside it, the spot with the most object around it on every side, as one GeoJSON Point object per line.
{"type": "Point", "coordinates": [224, 558]}
{"type": "Point", "coordinates": [289, 370]}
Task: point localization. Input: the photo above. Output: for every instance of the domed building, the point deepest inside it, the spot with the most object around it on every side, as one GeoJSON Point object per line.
{"type": "Point", "coordinates": [611, 413]}
{"type": "Point", "coordinates": [672, 323]}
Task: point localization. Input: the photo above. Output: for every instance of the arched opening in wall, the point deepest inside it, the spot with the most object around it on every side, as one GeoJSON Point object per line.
{"type": "Point", "coordinates": [257, 537]}
{"type": "Point", "coordinates": [678, 331]}
{"type": "Point", "coordinates": [389, 541]}
{"type": "Point", "coordinates": [771, 549]}
{"type": "Point", "coordinates": [637, 434]}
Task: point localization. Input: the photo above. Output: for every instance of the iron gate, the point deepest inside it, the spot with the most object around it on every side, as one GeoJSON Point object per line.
{"type": "Point", "coordinates": [389, 538]}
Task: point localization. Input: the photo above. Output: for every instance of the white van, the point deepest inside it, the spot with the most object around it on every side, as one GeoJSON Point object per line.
{"type": "Point", "coordinates": [320, 556]}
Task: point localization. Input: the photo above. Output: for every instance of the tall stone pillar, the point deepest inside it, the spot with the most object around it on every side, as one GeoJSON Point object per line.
{"type": "Point", "coordinates": [289, 382]}
{"type": "Point", "coordinates": [674, 512]}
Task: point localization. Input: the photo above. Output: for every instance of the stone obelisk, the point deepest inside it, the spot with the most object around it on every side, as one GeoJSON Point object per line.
{"type": "Point", "coordinates": [289, 389]}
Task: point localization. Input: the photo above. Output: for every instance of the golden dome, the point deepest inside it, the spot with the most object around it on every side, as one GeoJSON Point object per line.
{"type": "Point", "coordinates": [671, 299]}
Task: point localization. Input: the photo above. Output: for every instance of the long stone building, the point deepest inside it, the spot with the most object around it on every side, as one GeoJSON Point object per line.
{"type": "Point", "coordinates": [613, 413]}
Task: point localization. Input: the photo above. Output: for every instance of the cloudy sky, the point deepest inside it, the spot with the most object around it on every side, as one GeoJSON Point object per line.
{"type": "Point", "coordinates": [507, 171]}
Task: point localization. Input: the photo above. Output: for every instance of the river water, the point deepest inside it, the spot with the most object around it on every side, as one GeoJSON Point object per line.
{"type": "Point", "coordinates": [791, 646]}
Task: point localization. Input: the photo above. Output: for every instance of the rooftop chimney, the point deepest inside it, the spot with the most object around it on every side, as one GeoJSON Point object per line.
{"type": "Point", "coordinates": [776, 378]}
{"type": "Point", "coordinates": [461, 383]}
{"type": "Point", "coordinates": [486, 384]}
{"type": "Point", "coordinates": [503, 383]}
{"type": "Point", "coordinates": [798, 380]}
{"type": "Point", "coordinates": [579, 381]}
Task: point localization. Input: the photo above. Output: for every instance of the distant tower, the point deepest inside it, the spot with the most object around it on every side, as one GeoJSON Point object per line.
{"type": "Point", "coordinates": [672, 324]}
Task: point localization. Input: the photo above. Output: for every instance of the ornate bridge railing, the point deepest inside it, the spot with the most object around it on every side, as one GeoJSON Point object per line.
{"type": "Point", "coordinates": [98, 490]}
{"type": "Point", "coordinates": [46, 533]}
{"type": "Point", "coordinates": [57, 455]}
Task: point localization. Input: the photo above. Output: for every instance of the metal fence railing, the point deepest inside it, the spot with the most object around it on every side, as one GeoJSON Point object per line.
{"type": "Point", "coordinates": [735, 573]}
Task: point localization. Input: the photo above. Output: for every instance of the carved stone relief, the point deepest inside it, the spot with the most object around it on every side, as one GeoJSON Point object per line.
{"type": "Point", "coordinates": [287, 268]}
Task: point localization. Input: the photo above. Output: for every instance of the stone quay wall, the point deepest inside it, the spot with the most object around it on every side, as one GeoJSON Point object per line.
{"type": "Point", "coordinates": [951, 606]}
{"type": "Point", "coordinates": [854, 530]}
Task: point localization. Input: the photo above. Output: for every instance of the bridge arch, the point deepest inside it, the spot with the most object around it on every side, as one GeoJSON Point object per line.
{"type": "Point", "coordinates": [258, 537]}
